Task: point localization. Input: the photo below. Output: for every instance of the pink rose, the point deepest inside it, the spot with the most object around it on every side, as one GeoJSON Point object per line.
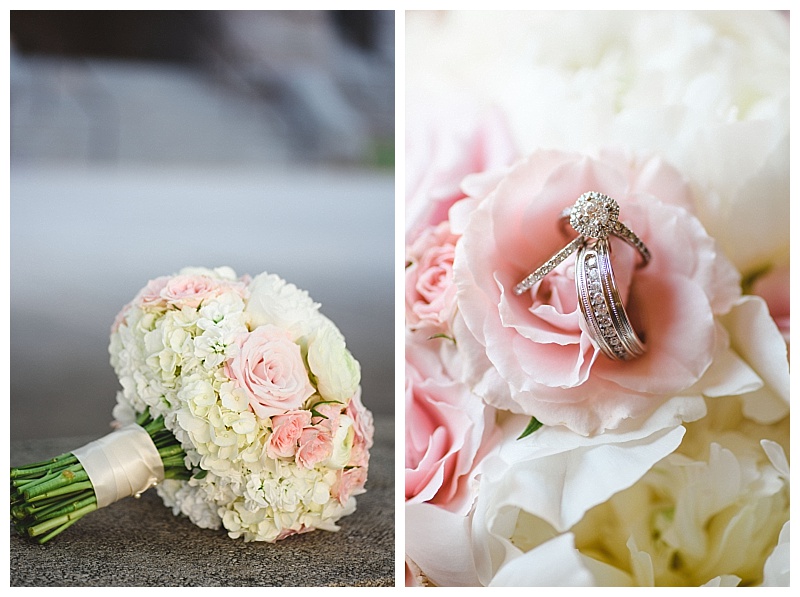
{"type": "Point", "coordinates": [364, 430]}
{"type": "Point", "coordinates": [286, 431]}
{"type": "Point", "coordinates": [150, 295]}
{"type": "Point", "coordinates": [430, 292]}
{"type": "Point", "coordinates": [351, 482]}
{"type": "Point", "coordinates": [444, 144]}
{"type": "Point", "coordinates": [121, 317]}
{"type": "Point", "coordinates": [445, 426]}
{"type": "Point", "coordinates": [270, 370]}
{"type": "Point", "coordinates": [773, 287]}
{"type": "Point", "coordinates": [190, 290]}
{"type": "Point", "coordinates": [529, 354]}
{"type": "Point", "coordinates": [316, 445]}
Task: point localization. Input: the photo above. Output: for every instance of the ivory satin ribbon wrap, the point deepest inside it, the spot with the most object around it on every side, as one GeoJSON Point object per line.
{"type": "Point", "coordinates": [120, 464]}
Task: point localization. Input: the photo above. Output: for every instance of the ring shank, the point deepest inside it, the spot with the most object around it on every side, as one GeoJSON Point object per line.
{"type": "Point", "coordinates": [601, 305]}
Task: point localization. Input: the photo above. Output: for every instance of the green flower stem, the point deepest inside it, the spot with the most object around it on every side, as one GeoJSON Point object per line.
{"type": "Point", "coordinates": [31, 470]}
{"type": "Point", "coordinates": [48, 497]}
{"type": "Point", "coordinates": [49, 525]}
{"type": "Point", "coordinates": [65, 526]}
{"type": "Point", "coordinates": [73, 474]}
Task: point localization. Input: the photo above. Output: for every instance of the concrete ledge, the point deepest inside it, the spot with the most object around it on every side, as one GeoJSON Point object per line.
{"type": "Point", "coordinates": [140, 543]}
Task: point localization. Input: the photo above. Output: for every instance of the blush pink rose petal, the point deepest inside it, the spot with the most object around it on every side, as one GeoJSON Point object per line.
{"type": "Point", "coordinates": [446, 429]}
{"type": "Point", "coordinates": [538, 359]}
{"type": "Point", "coordinates": [270, 369]}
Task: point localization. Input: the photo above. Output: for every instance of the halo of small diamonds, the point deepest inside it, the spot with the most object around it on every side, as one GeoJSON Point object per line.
{"type": "Point", "coordinates": [594, 215]}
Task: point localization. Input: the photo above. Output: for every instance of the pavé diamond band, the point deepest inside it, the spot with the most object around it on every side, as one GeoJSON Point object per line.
{"type": "Point", "coordinates": [593, 216]}
{"type": "Point", "coordinates": [601, 305]}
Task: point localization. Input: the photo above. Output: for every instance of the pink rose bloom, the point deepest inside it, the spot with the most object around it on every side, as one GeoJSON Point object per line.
{"type": "Point", "coordinates": [121, 316]}
{"type": "Point", "coordinates": [430, 292]}
{"type": "Point", "coordinates": [530, 354]}
{"type": "Point", "coordinates": [286, 431]}
{"type": "Point", "coordinates": [773, 287]}
{"type": "Point", "coordinates": [316, 445]}
{"type": "Point", "coordinates": [270, 370]}
{"type": "Point", "coordinates": [150, 297]}
{"type": "Point", "coordinates": [444, 144]}
{"type": "Point", "coordinates": [364, 431]}
{"type": "Point", "coordinates": [351, 482]}
{"type": "Point", "coordinates": [445, 426]}
{"type": "Point", "coordinates": [190, 290]}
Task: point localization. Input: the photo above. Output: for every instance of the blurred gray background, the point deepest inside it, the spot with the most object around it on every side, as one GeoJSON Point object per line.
{"type": "Point", "coordinates": [143, 142]}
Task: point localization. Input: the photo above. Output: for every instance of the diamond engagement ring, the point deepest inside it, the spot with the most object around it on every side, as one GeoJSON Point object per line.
{"type": "Point", "coordinates": [594, 216]}
{"type": "Point", "coordinates": [601, 305]}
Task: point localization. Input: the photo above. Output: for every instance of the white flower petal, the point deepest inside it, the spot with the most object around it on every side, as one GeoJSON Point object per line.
{"type": "Point", "coordinates": [756, 338]}
{"type": "Point", "coordinates": [555, 563]}
{"type": "Point", "coordinates": [776, 568]}
{"type": "Point", "coordinates": [439, 541]}
{"type": "Point", "coordinates": [725, 580]}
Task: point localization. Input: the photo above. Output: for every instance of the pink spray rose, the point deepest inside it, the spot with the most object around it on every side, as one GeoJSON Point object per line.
{"type": "Point", "coordinates": [530, 353]}
{"type": "Point", "coordinates": [351, 480]}
{"type": "Point", "coordinates": [270, 370]}
{"type": "Point", "coordinates": [430, 292]}
{"type": "Point", "coordinates": [316, 445]}
{"type": "Point", "coordinates": [286, 431]}
{"type": "Point", "coordinates": [364, 429]}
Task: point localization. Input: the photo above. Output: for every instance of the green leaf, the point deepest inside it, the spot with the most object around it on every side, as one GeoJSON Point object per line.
{"type": "Point", "coordinates": [445, 336]}
{"type": "Point", "coordinates": [316, 413]}
{"type": "Point", "coordinates": [534, 425]}
{"type": "Point", "coordinates": [201, 474]}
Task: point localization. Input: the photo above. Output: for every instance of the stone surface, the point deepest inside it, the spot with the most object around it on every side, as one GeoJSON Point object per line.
{"type": "Point", "coordinates": [140, 543]}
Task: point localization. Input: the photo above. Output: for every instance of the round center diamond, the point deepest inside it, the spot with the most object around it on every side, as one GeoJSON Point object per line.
{"type": "Point", "coordinates": [594, 215]}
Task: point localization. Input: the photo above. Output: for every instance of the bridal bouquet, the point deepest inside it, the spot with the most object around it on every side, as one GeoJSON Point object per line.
{"type": "Point", "coordinates": [240, 403]}
{"type": "Point", "coordinates": [596, 300]}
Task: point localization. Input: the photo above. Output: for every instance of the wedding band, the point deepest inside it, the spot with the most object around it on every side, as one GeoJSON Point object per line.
{"type": "Point", "coordinates": [601, 305]}
{"type": "Point", "coordinates": [593, 216]}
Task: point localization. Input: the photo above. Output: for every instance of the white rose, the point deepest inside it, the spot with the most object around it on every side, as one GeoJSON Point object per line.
{"type": "Point", "coordinates": [337, 372]}
{"type": "Point", "coordinates": [342, 444]}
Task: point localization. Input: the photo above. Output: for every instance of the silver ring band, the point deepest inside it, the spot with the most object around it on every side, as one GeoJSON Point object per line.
{"type": "Point", "coordinates": [548, 265]}
{"type": "Point", "coordinates": [601, 305]}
